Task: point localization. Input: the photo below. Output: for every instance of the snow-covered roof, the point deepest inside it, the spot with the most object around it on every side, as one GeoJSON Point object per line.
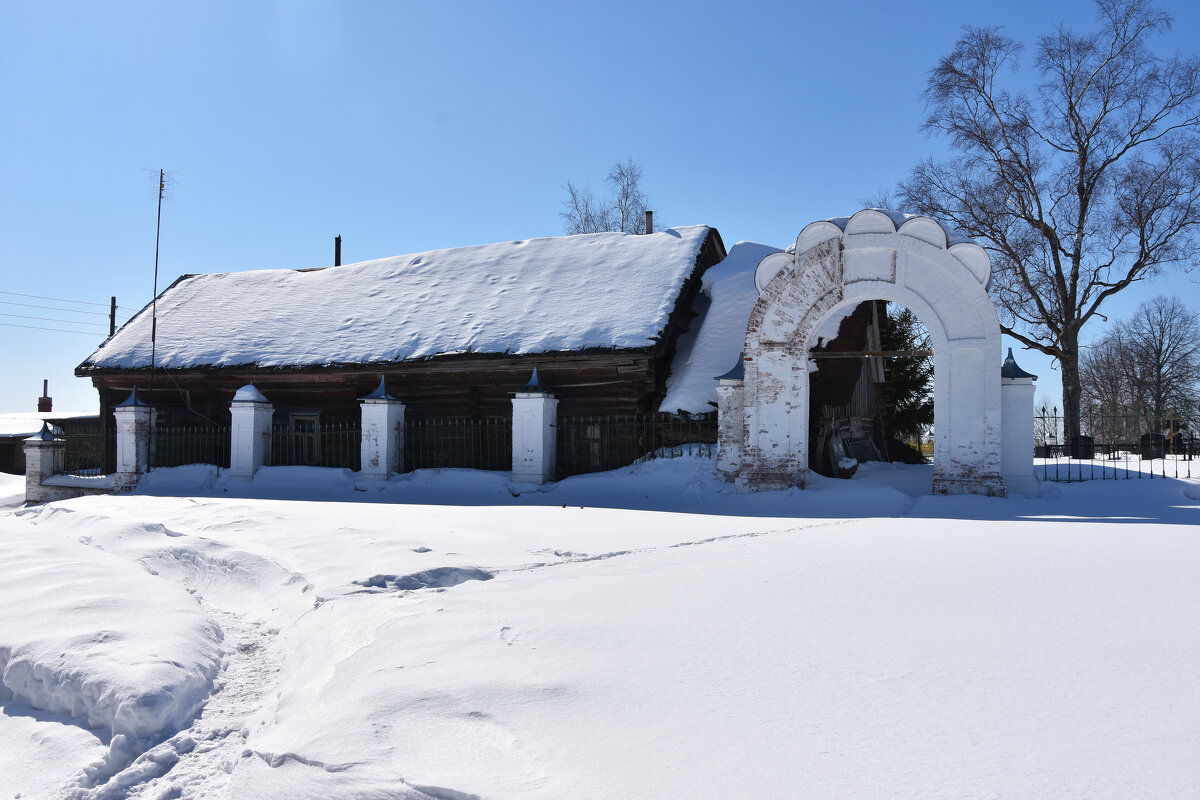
{"type": "Point", "coordinates": [602, 290]}
{"type": "Point", "coordinates": [713, 343]}
{"type": "Point", "coordinates": [25, 424]}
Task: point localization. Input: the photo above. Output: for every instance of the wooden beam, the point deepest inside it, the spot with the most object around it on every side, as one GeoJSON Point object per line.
{"type": "Point", "coordinates": [872, 354]}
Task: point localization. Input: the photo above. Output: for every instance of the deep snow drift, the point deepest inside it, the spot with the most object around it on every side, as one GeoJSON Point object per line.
{"type": "Point", "coordinates": [641, 633]}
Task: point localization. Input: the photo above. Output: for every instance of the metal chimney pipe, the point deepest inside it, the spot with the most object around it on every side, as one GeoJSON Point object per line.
{"type": "Point", "coordinates": [337, 250]}
{"type": "Point", "coordinates": [649, 222]}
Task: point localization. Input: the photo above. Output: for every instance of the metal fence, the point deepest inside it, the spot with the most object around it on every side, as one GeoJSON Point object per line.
{"type": "Point", "coordinates": [594, 444]}
{"type": "Point", "coordinates": [336, 444]}
{"type": "Point", "coordinates": [1126, 444]}
{"type": "Point", "coordinates": [484, 443]}
{"type": "Point", "coordinates": [176, 445]}
{"type": "Point", "coordinates": [93, 453]}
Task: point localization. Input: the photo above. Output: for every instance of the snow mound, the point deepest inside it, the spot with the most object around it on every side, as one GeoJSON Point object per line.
{"type": "Point", "coordinates": [89, 636]}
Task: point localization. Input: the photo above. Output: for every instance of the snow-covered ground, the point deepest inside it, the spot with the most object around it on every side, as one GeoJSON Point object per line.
{"type": "Point", "coordinates": [641, 633]}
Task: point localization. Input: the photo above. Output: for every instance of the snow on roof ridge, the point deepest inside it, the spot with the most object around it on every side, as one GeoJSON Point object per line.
{"type": "Point", "coordinates": [519, 296]}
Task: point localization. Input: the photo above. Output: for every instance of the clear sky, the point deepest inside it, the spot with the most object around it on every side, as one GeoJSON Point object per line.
{"type": "Point", "coordinates": [408, 126]}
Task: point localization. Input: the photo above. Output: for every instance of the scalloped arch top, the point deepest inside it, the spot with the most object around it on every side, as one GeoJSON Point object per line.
{"type": "Point", "coordinates": [875, 221]}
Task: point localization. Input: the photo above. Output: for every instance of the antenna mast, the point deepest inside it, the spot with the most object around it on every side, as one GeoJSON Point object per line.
{"type": "Point", "coordinates": [163, 192]}
{"type": "Point", "coordinates": [162, 185]}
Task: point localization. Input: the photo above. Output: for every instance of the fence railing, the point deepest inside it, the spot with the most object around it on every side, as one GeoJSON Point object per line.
{"type": "Point", "coordinates": [336, 444]}
{"type": "Point", "coordinates": [1129, 443]}
{"type": "Point", "coordinates": [464, 443]}
{"type": "Point", "coordinates": [594, 444]}
{"type": "Point", "coordinates": [177, 445]}
{"type": "Point", "coordinates": [93, 453]}
{"type": "Point", "coordinates": [584, 444]}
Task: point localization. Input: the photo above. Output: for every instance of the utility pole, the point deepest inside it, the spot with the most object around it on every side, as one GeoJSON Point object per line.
{"type": "Point", "coordinates": [112, 317]}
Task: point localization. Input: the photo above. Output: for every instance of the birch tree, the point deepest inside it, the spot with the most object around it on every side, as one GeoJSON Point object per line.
{"type": "Point", "coordinates": [623, 210]}
{"type": "Point", "coordinates": [1078, 188]}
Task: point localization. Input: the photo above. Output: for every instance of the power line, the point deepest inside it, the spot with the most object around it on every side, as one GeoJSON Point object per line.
{"type": "Point", "coordinates": [59, 299]}
{"type": "Point", "coordinates": [54, 308]}
{"type": "Point", "coordinates": [60, 330]}
{"type": "Point", "coordinates": [53, 319]}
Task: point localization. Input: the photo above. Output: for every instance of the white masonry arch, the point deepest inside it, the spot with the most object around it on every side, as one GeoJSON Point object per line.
{"type": "Point", "coordinates": [912, 260]}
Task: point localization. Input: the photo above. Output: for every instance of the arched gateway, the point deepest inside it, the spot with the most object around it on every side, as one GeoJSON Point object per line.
{"type": "Point", "coordinates": [939, 275]}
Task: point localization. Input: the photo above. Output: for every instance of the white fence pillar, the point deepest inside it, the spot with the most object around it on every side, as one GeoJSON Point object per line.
{"type": "Point", "coordinates": [250, 432]}
{"type": "Point", "coordinates": [382, 433]}
{"type": "Point", "coordinates": [1016, 428]}
{"type": "Point", "coordinates": [533, 445]}
{"type": "Point", "coordinates": [731, 416]}
{"type": "Point", "coordinates": [133, 438]}
{"type": "Point", "coordinates": [45, 455]}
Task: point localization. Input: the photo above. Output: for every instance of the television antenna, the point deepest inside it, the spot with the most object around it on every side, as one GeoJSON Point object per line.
{"type": "Point", "coordinates": [163, 189]}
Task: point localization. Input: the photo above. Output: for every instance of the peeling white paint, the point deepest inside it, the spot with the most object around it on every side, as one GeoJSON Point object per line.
{"type": "Point", "coordinates": [939, 276]}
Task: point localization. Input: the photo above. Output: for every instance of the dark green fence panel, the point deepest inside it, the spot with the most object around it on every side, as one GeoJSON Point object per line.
{"type": "Point", "coordinates": [462, 443]}
{"type": "Point", "coordinates": [90, 453]}
{"type": "Point", "coordinates": [597, 443]}
{"type": "Point", "coordinates": [336, 444]}
{"type": "Point", "coordinates": [177, 445]}
{"type": "Point", "coordinates": [341, 445]}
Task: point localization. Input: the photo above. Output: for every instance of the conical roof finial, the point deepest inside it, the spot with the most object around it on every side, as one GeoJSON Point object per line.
{"type": "Point", "coordinates": [133, 401]}
{"type": "Point", "coordinates": [1011, 370]}
{"type": "Point", "coordinates": [381, 392]}
{"type": "Point", "coordinates": [738, 373]}
{"type": "Point", "coordinates": [533, 386]}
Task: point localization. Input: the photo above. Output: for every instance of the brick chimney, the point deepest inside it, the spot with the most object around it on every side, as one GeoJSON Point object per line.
{"type": "Point", "coordinates": [45, 401]}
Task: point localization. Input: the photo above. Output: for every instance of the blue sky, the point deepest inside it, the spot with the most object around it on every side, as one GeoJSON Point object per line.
{"type": "Point", "coordinates": [413, 126]}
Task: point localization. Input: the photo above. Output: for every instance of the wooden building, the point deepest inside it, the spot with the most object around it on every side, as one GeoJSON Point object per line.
{"type": "Point", "coordinates": [453, 332]}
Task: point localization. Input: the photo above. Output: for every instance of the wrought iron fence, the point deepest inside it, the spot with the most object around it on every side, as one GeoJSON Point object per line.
{"type": "Point", "coordinates": [484, 443]}
{"type": "Point", "coordinates": [594, 444]}
{"type": "Point", "coordinates": [92, 453]}
{"type": "Point", "coordinates": [176, 445]}
{"type": "Point", "coordinates": [337, 444]}
{"type": "Point", "coordinates": [1127, 443]}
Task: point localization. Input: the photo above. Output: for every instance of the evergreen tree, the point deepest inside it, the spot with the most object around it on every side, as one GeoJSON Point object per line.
{"type": "Point", "coordinates": [910, 379]}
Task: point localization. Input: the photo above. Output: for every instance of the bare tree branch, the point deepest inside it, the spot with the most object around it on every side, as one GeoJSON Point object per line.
{"type": "Point", "coordinates": [625, 210]}
{"type": "Point", "coordinates": [1078, 191]}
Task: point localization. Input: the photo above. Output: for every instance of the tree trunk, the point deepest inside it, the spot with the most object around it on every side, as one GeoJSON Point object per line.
{"type": "Point", "coordinates": [1068, 360]}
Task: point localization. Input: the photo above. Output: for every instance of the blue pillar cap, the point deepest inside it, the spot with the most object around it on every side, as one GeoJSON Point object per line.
{"type": "Point", "coordinates": [133, 401]}
{"type": "Point", "coordinates": [46, 434]}
{"type": "Point", "coordinates": [533, 385]}
{"type": "Point", "coordinates": [738, 373]}
{"type": "Point", "coordinates": [380, 393]}
{"type": "Point", "coordinates": [1011, 370]}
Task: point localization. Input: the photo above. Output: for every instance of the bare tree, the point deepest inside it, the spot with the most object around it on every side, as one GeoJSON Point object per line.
{"type": "Point", "coordinates": [1144, 370]}
{"type": "Point", "coordinates": [1104, 374]}
{"type": "Point", "coordinates": [624, 210]}
{"type": "Point", "coordinates": [1107, 392]}
{"type": "Point", "coordinates": [1162, 344]}
{"type": "Point", "coordinates": [1078, 190]}
{"type": "Point", "coordinates": [583, 213]}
